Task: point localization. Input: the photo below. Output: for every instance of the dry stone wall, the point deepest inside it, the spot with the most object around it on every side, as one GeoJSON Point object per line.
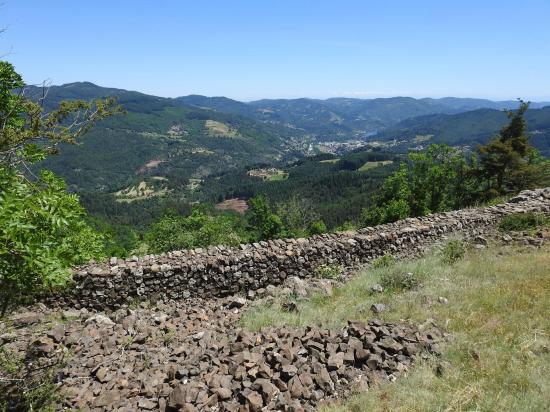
{"type": "Point", "coordinates": [220, 271]}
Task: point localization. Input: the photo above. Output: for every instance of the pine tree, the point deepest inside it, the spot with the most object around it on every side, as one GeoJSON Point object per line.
{"type": "Point", "coordinates": [509, 163]}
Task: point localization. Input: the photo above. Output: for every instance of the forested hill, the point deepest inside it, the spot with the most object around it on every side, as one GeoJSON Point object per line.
{"type": "Point", "coordinates": [172, 143]}
{"type": "Point", "coordinates": [468, 128]}
{"type": "Point", "coordinates": [161, 137]}
{"type": "Point", "coordinates": [345, 118]}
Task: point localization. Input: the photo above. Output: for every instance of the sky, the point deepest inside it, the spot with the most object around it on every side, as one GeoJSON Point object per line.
{"type": "Point", "coordinates": [247, 50]}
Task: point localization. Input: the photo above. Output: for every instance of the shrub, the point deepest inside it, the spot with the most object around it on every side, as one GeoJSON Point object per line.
{"type": "Point", "coordinates": [397, 281]}
{"type": "Point", "coordinates": [523, 221]}
{"type": "Point", "coordinates": [318, 227]}
{"type": "Point", "coordinates": [42, 234]}
{"type": "Point", "coordinates": [173, 232]}
{"type": "Point", "coordinates": [383, 261]}
{"type": "Point", "coordinates": [328, 271]}
{"type": "Point", "coordinates": [453, 250]}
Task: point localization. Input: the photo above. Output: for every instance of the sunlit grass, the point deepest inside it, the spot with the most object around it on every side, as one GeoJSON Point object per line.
{"type": "Point", "coordinates": [498, 320]}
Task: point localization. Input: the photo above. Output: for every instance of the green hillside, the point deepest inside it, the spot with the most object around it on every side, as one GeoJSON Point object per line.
{"type": "Point", "coordinates": [469, 128]}
{"type": "Point", "coordinates": [161, 137]}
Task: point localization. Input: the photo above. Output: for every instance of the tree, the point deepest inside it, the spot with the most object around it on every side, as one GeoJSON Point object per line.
{"type": "Point", "coordinates": [435, 180]}
{"type": "Point", "coordinates": [262, 221]}
{"type": "Point", "coordinates": [298, 216]}
{"type": "Point", "coordinates": [42, 231]}
{"type": "Point", "coordinates": [508, 163]}
{"type": "Point", "coordinates": [173, 232]}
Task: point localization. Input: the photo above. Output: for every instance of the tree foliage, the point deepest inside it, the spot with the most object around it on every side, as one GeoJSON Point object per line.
{"type": "Point", "coordinates": [509, 163]}
{"type": "Point", "coordinates": [199, 229]}
{"type": "Point", "coordinates": [431, 181]}
{"type": "Point", "coordinates": [263, 222]}
{"type": "Point", "coordinates": [42, 231]}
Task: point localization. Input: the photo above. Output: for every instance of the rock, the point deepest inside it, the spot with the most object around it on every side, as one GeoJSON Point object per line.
{"type": "Point", "coordinates": [25, 319]}
{"type": "Point", "coordinates": [335, 361]}
{"type": "Point", "coordinates": [57, 333]}
{"type": "Point", "coordinates": [519, 198]}
{"type": "Point", "coordinates": [147, 404]}
{"type": "Point", "coordinates": [7, 337]}
{"type": "Point", "coordinates": [223, 393]}
{"type": "Point", "coordinates": [236, 302]}
{"type": "Point", "coordinates": [43, 346]}
{"type": "Point", "coordinates": [481, 240]}
{"type": "Point", "coordinates": [299, 286]}
{"type": "Point", "coordinates": [506, 238]}
{"type": "Point", "coordinates": [378, 307]}
{"type": "Point", "coordinates": [71, 314]}
{"type": "Point", "coordinates": [101, 375]}
{"type": "Point", "coordinates": [289, 306]}
{"type": "Point", "coordinates": [176, 399]}
{"type": "Point", "coordinates": [100, 320]}
{"type": "Point", "coordinates": [107, 398]}
{"type": "Point", "coordinates": [254, 401]}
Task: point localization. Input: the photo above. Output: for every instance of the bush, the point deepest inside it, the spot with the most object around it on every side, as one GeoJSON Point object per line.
{"type": "Point", "coordinates": [523, 221]}
{"type": "Point", "coordinates": [318, 227]}
{"type": "Point", "coordinates": [383, 261]}
{"type": "Point", "coordinates": [453, 250]}
{"type": "Point", "coordinates": [173, 232]}
{"type": "Point", "coordinates": [397, 281]}
{"type": "Point", "coordinates": [328, 271]}
{"type": "Point", "coordinates": [42, 234]}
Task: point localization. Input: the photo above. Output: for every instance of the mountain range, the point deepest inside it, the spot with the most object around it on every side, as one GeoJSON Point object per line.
{"type": "Point", "coordinates": [193, 137]}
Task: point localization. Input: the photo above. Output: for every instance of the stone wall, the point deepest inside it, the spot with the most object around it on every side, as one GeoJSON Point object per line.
{"type": "Point", "coordinates": [219, 271]}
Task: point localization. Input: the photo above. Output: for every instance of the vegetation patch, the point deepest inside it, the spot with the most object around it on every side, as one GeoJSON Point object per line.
{"type": "Point", "coordinates": [220, 129]}
{"type": "Point", "coordinates": [372, 165]}
{"type": "Point", "coordinates": [238, 205]}
{"type": "Point", "coordinates": [328, 271]}
{"type": "Point", "coordinates": [495, 308]}
{"type": "Point", "coordinates": [268, 174]}
{"type": "Point", "coordinates": [419, 138]}
{"type": "Point", "coordinates": [524, 222]}
{"type": "Point", "coordinates": [140, 192]}
{"type": "Point", "coordinates": [453, 251]}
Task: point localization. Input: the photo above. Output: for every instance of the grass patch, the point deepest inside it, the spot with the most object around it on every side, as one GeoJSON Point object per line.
{"type": "Point", "coordinates": [453, 251]}
{"type": "Point", "coordinates": [517, 222]}
{"type": "Point", "coordinates": [373, 165]}
{"type": "Point", "coordinates": [498, 352]}
{"type": "Point", "coordinates": [328, 271]}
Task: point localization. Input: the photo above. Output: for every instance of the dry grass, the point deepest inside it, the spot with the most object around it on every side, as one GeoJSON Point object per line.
{"type": "Point", "coordinates": [498, 318]}
{"type": "Point", "coordinates": [220, 129]}
{"type": "Point", "coordinates": [372, 165]}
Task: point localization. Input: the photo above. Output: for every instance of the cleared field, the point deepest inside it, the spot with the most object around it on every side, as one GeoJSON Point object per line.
{"type": "Point", "coordinates": [494, 304]}
{"type": "Point", "coordinates": [238, 205]}
{"type": "Point", "coordinates": [372, 165]}
{"type": "Point", "coordinates": [216, 128]}
{"type": "Point", "coordinates": [270, 174]}
{"type": "Point", "coordinates": [139, 192]}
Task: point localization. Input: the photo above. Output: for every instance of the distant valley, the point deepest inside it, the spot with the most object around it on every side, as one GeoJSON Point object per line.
{"type": "Point", "coordinates": [194, 137]}
{"type": "Point", "coordinates": [166, 153]}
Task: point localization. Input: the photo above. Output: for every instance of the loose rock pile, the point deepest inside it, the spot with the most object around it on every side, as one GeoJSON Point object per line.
{"type": "Point", "coordinates": [190, 356]}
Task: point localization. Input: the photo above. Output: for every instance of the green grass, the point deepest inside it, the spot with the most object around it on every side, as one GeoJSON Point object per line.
{"type": "Point", "coordinates": [371, 165]}
{"type": "Point", "coordinates": [498, 351]}
{"type": "Point", "coordinates": [524, 222]}
{"type": "Point", "coordinates": [277, 177]}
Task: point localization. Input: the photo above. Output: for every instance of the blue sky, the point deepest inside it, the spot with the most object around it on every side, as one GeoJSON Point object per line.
{"type": "Point", "coordinates": [286, 48]}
